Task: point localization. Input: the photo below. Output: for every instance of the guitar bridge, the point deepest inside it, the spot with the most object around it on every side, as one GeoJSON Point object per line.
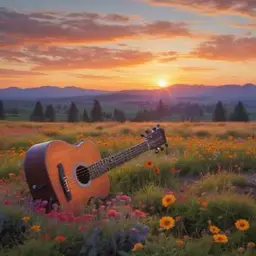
{"type": "Point", "coordinates": [64, 183]}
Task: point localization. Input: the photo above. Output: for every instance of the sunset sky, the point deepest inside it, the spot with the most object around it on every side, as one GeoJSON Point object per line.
{"type": "Point", "coordinates": [127, 44]}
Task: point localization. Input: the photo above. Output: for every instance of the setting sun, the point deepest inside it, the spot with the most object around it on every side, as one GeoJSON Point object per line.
{"type": "Point", "coordinates": [162, 83]}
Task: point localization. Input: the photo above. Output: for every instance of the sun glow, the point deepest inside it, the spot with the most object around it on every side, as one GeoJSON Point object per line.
{"type": "Point", "coordinates": [162, 83]}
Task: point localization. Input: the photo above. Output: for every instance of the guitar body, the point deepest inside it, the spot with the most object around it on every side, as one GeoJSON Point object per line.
{"type": "Point", "coordinates": [51, 171]}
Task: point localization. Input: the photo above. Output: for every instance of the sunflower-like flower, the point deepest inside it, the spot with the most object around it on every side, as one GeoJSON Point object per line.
{"type": "Point", "coordinates": [137, 246]}
{"type": "Point", "coordinates": [168, 200]}
{"type": "Point", "coordinates": [242, 225]}
{"type": "Point", "coordinates": [214, 229]}
{"type": "Point", "coordinates": [167, 223]}
{"type": "Point", "coordinates": [149, 164]}
{"type": "Point", "coordinates": [220, 238]}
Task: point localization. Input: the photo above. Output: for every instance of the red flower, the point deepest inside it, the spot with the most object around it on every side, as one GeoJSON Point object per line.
{"type": "Point", "coordinates": [87, 217]}
{"type": "Point", "coordinates": [60, 238]}
{"type": "Point", "coordinates": [124, 198]}
{"type": "Point", "coordinates": [112, 213]}
{"type": "Point", "coordinates": [7, 202]}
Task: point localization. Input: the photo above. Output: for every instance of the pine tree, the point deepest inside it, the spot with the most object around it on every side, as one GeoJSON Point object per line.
{"type": "Point", "coordinates": [239, 114]}
{"type": "Point", "coordinates": [73, 113]}
{"type": "Point", "coordinates": [85, 116]}
{"type": "Point", "coordinates": [119, 115]}
{"type": "Point", "coordinates": [219, 114]}
{"type": "Point", "coordinates": [96, 112]}
{"type": "Point", "coordinates": [50, 114]}
{"type": "Point", "coordinates": [38, 113]}
{"type": "Point", "coordinates": [2, 116]}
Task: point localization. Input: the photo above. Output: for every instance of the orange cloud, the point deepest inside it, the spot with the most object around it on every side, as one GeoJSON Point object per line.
{"type": "Point", "coordinates": [11, 73]}
{"type": "Point", "coordinates": [61, 58]}
{"type": "Point", "coordinates": [227, 48]}
{"type": "Point", "coordinates": [75, 28]}
{"type": "Point", "coordinates": [241, 7]}
{"type": "Point", "coordinates": [196, 69]}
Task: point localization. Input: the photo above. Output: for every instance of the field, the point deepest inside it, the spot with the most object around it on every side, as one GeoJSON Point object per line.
{"type": "Point", "coordinates": [195, 199]}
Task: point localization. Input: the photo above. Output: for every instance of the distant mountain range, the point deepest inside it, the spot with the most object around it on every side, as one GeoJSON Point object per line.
{"type": "Point", "coordinates": [176, 92]}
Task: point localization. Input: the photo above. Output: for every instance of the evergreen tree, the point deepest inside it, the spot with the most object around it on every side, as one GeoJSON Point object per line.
{"type": "Point", "coordinates": [119, 115]}
{"type": "Point", "coordinates": [85, 116]}
{"type": "Point", "coordinates": [96, 112]}
{"type": "Point", "coordinates": [239, 114]}
{"type": "Point", "coordinates": [73, 113]}
{"type": "Point", "coordinates": [50, 114]}
{"type": "Point", "coordinates": [2, 116]}
{"type": "Point", "coordinates": [219, 114]}
{"type": "Point", "coordinates": [38, 113]}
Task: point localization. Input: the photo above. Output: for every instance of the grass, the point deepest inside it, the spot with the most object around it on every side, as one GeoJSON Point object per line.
{"type": "Point", "coordinates": [202, 168]}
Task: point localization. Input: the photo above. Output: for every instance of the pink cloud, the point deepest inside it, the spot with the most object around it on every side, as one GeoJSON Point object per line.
{"type": "Point", "coordinates": [227, 48]}
{"type": "Point", "coordinates": [241, 7]}
{"type": "Point", "coordinates": [18, 28]}
{"type": "Point", "coordinates": [12, 73]}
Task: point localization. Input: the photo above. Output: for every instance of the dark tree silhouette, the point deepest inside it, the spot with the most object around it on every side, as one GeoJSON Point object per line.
{"type": "Point", "coordinates": [38, 113]}
{"type": "Point", "coordinates": [2, 115]}
{"type": "Point", "coordinates": [73, 113]}
{"type": "Point", "coordinates": [119, 115]}
{"type": "Point", "coordinates": [161, 109]}
{"type": "Point", "coordinates": [96, 112]}
{"type": "Point", "coordinates": [219, 114]}
{"type": "Point", "coordinates": [50, 114]}
{"type": "Point", "coordinates": [239, 114]}
{"type": "Point", "coordinates": [85, 116]}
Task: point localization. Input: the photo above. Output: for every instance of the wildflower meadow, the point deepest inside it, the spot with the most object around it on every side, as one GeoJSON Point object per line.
{"type": "Point", "coordinates": [196, 198]}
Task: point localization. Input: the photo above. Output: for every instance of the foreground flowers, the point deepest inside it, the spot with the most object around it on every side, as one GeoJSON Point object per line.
{"type": "Point", "coordinates": [137, 246]}
{"type": "Point", "coordinates": [213, 229]}
{"type": "Point", "coordinates": [220, 238]}
{"type": "Point", "coordinates": [167, 223]}
{"type": "Point", "coordinates": [242, 225]}
{"type": "Point", "coordinates": [168, 200]}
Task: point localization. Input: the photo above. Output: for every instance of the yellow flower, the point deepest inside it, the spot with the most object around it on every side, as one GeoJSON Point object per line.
{"type": "Point", "coordinates": [242, 225]}
{"type": "Point", "coordinates": [179, 243]}
{"type": "Point", "coordinates": [36, 228]}
{"type": "Point", "coordinates": [168, 200]}
{"type": "Point", "coordinates": [26, 218]}
{"type": "Point", "coordinates": [213, 229]}
{"type": "Point", "coordinates": [137, 246]}
{"type": "Point", "coordinates": [220, 238]}
{"type": "Point", "coordinates": [167, 222]}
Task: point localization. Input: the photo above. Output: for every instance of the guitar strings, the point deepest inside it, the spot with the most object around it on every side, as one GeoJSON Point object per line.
{"type": "Point", "coordinates": [97, 165]}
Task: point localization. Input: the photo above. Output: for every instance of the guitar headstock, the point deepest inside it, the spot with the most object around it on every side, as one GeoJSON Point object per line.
{"type": "Point", "coordinates": [155, 138]}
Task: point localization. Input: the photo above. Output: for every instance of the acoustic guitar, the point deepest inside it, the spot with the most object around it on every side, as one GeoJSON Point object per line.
{"type": "Point", "coordinates": [70, 175]}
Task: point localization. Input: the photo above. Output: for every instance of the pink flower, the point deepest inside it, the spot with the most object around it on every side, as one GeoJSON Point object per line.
{"type": "Point", "coordinates": [112, 213]}
{"type": "Point", "coordinates": [7, 202]}
{"type": "Point", "coordinates": [87, 217]}
{"type": "Point", "coordinates": [139, 213]}
{"type": "Point", "coordinates": [124, 198]}
{"type": "Point", "coordinates": [52, 214]}
{"type": "Point", "coordinates": [40, 210]}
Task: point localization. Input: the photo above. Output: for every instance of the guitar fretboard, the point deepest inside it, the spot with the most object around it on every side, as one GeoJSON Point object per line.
{"type": "Point", "coordinates": [108, 163]}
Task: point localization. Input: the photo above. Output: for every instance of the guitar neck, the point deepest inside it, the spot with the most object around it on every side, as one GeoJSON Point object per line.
{"type": "Point", "coordinates": [110, 162]}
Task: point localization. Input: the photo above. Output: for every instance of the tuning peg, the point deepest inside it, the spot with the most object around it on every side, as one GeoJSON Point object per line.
{"type": "Point", "coordinates": [142, 135]}
{"type": "Point", "coordinates": [157, 151]}
{"type": "Point", "coordinates": [162, 148]}
{"type": "Point", "coordinates": [158, 126]}
{"type": "Point", "coordinates": [154, 129]}
{"type": "Point", "coordinates": [147, 131]}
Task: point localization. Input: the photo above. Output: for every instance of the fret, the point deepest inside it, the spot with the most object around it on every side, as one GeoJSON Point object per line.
{"type": "Point", "coordinates": [108, 163]}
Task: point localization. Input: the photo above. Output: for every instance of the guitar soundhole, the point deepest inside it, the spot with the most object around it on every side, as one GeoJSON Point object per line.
{"type": "Point", "coordinates": [83, 174]}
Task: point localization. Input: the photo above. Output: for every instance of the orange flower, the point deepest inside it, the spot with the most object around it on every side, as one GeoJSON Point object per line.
{"type": "Point", "coordinates": [156, 170]}
{"type": "Point", "coordinates": [137, 246]}
{"type": "Point", "coordinates": [242, 225]}
{"type": "Point", "coordinates": [220, 238]}
{"type": "Point", "coordinates": [214, 229]}
{"type": "Point", "coordinates": [167, 222]}
{"type": "Point", "coordinates": [203, 203]}
{"type": "Point", "coordinates": [168, 200]}
{"type": "Point", "coordinates": [26, 218]}
{"type": "Point", "coordinates": [60, 239]}
{"type": "Point", "coordinates": [11, 175]}
{"type": "Point", "coordinates": [149, 164]}
{"type": "Point", "coordinates": [36, 228]}
{"type": "Point", "coordinates": [251, 245]}
{"type": "Point", "coordinates": [179, 243]}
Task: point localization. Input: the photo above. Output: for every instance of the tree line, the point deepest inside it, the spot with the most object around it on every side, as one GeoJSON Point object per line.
{"type": "Point", "coordinates": [187, 111]}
